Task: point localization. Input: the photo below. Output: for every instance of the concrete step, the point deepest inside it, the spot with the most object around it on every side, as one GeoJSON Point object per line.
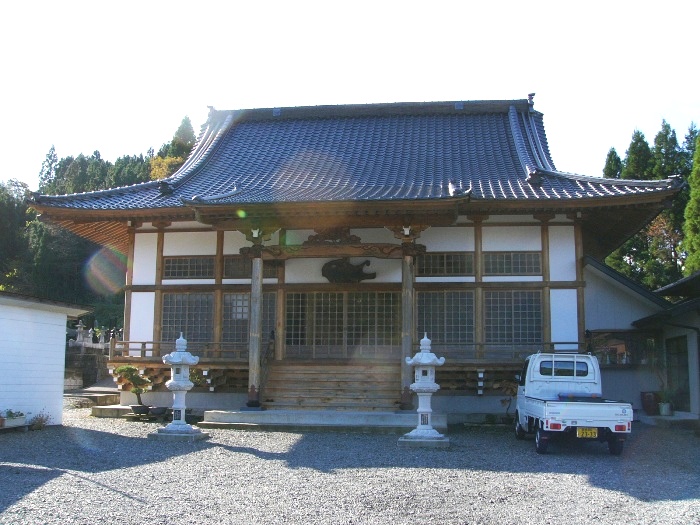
{"type": "Point", "coordinates": [682, 420]}
{"type": "Point", "coordinates": [94, 398]}
{"type": "Point", "coordinates": [331, 404]}
{"type": "Point", "coordinates": [401, 421]}
{"type": "Point", "coordinates": [110, 411]}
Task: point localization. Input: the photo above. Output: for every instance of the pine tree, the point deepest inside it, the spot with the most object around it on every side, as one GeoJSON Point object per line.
{"type": "Point", "coordinates": [654, 256]}
{"type": "Point", "coordinates": [173, 155]}
{"type": "Point", "coordinates": [47, 174]}
{"type": "Point", "coordinates": [613, 165]}
{"type": "Point", "coordinates": [183, 140]}
{"type": "Point", "coordinates": [666, 154]}
{"type": "Point", "coordinates": [638, 163]}
{"type": "Point", "coordinates": [691, 227]}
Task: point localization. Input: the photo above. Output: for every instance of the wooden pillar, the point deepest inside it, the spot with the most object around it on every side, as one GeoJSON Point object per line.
{"type": "Point", "coordinates": [546, 287]}
{"type": "Point", "coordinates": [218, 291]}
{"type": "Point", "coordinates": [407, 302]}
{"type": "Point", "coordinates": [580, 291]}
{"type": "Point", "coordinates": [255, 321]}
{"type": "Point", "coordinates": [129, 282]}
{"type": "Point", "coordinates": [158, 295]}
{"type": "Point", "coordinates": [479, 318]}
{"type": "Point", "coordinates": [408, 236]}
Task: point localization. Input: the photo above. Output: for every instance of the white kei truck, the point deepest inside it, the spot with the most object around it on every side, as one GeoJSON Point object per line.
{"type": "Point", "coordinates": [561, 394]}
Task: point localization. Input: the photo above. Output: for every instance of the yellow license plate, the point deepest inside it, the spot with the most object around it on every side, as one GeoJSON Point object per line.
{"type": "Point", "coordinates": [585, 432]}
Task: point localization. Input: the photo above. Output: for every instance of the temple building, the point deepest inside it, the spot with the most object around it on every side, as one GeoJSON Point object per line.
{"type": "Point", "coordinates": [305, 251]}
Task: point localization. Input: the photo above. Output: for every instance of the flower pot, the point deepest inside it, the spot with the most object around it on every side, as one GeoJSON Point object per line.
{"type": "Point", "coordinates": [650, 403]}
{"type": "Point", "coordinates": [140, 410]}
{"type": "Point", "coordinates": [665, 409]}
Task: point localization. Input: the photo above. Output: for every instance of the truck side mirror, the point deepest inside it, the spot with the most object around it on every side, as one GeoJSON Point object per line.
{"type": "Point", "coordinates": [517, 377]}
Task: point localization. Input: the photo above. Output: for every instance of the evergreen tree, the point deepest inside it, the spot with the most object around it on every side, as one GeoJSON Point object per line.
{"type": "Point", "coordinates": [666, 154]}
{"type": "Point", "coordinates": [172, 156]}
{"type": "Point", "coordinates": [688, 150]}
{"type": "Point", "coordinates": [613, 165]}
{"type": "Point", "coordinates": [638, 163]}
{"type": "Point", "coordinates": [127, 171]}
{"type": "Point", "coordinates": [183, 140]}
{"type": "Point", "coordinates": [691, 227]}
{"type": "Point", "coordinates": [47, 174]}
{"type": "Point", "coordinates": [654, 256]}
{"type": "Point", "coordinates": [13, 213]}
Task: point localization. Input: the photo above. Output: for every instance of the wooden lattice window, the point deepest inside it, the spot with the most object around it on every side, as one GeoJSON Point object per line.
{"type": "Point", "coordinates": [446, 316]}
{"type": "Point", "coordinates": [238, 267]}
{"type": "Point", "coordinates": [236, 317]}
{"type": "Point", "coordinates": [189, 313]}
{"type": "Point", "coordinates": [512, 263]}
{"type": "Point", "coordinates": [188, 267]}
{"type": "Point", "coordinates": [333, 323]}
{"type": "Point", "coordinates": [445, 264]}
{"type": "Point", "coordinates": [513, 316]}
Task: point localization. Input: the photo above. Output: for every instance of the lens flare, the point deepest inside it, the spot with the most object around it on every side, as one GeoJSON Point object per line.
{"type": "Point", "coordinates": [105, 272]}
{"type": "Point", "coordinates": [241, 214]}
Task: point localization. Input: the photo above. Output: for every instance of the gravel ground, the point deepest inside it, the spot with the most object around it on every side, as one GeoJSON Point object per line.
{"type": "Point", "coordinates": [106, 471]}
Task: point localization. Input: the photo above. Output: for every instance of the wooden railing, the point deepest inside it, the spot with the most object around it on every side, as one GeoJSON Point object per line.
{"type": "Point", "coordinates": [155, 350]}
{"type": "Point", "coordinates": [489, 352]}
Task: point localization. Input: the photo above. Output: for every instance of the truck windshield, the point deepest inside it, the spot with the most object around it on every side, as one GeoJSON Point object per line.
{"type": "Point", "coordinates": [563, 368]}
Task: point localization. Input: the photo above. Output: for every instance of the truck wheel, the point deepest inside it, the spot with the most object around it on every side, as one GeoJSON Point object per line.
{"type": "Point", "coordinates": [541, 441]}
{"type": "Point", "coordinates": [615, 446]}
{"type": "Point", "coordinates": [519, 430]}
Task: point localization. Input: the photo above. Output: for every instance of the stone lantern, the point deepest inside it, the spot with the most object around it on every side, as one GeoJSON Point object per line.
{"type": "Point", "coordinates": [180, 361]}
{"type": "Point", "coordinates": [424, 386]}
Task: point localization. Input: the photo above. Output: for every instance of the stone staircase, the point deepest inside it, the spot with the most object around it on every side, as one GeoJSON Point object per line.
{"type": "Point", "coordinates": [341, 386]}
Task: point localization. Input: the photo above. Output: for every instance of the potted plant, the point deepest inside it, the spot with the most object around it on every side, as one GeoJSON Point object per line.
{"type": "Point", "coordinates": [129, 376]}
{"type": "Point", "coordinates": [11, 418]}
{"type": "Point", "coordinates": [665, 403]}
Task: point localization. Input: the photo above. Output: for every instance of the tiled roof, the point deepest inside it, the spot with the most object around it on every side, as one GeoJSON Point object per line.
{"type": "Point", "coordinates": [489, 150]}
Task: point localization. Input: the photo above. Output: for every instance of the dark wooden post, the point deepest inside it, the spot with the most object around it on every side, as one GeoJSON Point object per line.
{"type": "Point", "coordinates": [407, 235]}
{"type": "Point", "coordinates": [255, 326]}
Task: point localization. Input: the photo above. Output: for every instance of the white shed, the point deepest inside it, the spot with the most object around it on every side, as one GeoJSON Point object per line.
{"type": "Point", "coordinates": [32, 354]}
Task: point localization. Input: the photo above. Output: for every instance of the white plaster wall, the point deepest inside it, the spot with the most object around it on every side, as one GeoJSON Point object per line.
{"type": "Point", "coordinates": [562, 253]}
{"type": "Point", "coordinates": [144, 267]}
{"type": "Point", "coordinates": [512, 239]}
{"type": "Point", "coordinates": [448, 239]}
{"type": "Point", "coordinates": [189, 243]}
{"type": "Point", "coordinates": [233, 242]}
{"type": "Point", "coordinates": [32, 352]}
{"type": "Point", "coordinates": [142, 315]}
{"type": "Point", "coordinates": [564, 315]}
{"type": "Point", "coordinates": [610, 305]}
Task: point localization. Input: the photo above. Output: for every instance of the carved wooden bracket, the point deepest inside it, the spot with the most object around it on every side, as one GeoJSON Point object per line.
{"type": "Point", "coordinates": [408, 233]}
{"type": "Point", "coordinates": [332, 236]}
{"type": "Point", "coordinates": [258, 235]}
{"type": "Point", "coordinates": [378, 250]}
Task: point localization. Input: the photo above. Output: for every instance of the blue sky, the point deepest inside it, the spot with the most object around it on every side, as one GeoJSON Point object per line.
{"type": "Point", "coordinates": [120, 76]}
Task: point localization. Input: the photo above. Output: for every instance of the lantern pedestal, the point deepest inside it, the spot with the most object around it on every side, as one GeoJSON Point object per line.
{"type": "Point", "coordinates": [424, 435]}
{"type": "Point", "coordinates": [180, 361]}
